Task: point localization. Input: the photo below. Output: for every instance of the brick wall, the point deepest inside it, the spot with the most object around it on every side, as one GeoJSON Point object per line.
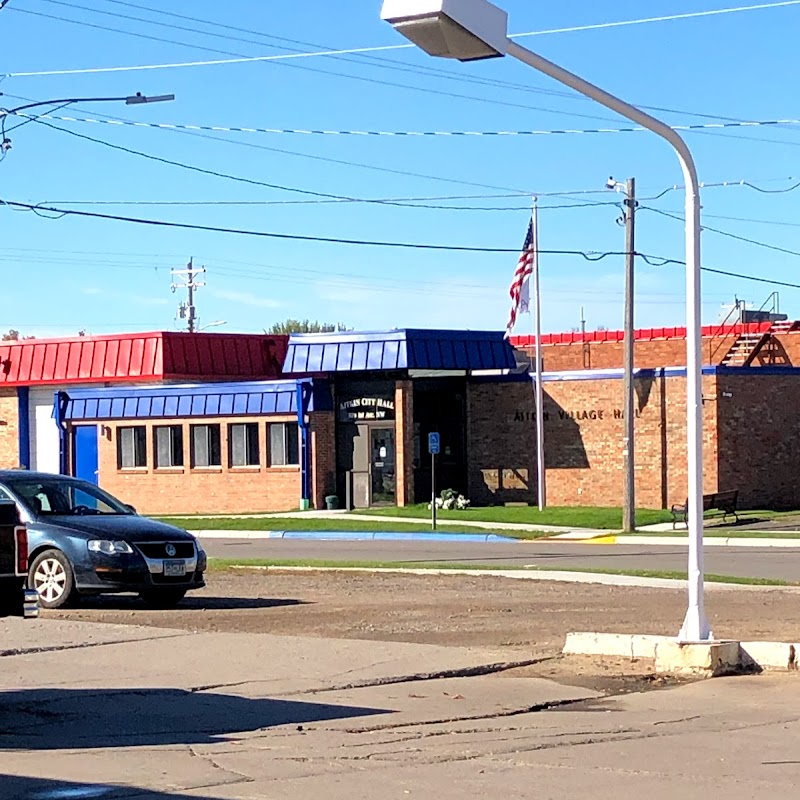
{"type": "Point", "coordinates": [759, 439]}
{"type": "Point", "coordinates": [647, 354]}
{"type": "Point", "coordinates": [9, 429]}
{"type": "Point", "coordinates": [501, 443]}
{"type": "Point", "coordinates": [583, 442]}
{"type": "Point", "coordinates": [404, 438]}
{"type": "Point", "coordinates": [323, 456]}
{"type": "Point", "coordinates": [206, 490]}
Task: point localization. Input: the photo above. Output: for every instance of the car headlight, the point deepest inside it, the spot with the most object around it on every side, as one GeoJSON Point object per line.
{"type": "Point", "coordinates": [109, 548]}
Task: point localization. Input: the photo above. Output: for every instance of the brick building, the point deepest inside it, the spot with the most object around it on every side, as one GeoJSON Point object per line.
{"type": "Point", "coordinates": [751, 426]}
{"type": "Point", "coordinates": [221, 423]}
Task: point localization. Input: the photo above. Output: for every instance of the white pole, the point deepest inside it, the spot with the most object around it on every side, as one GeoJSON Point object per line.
{"type": "Point", "coordinates": [695, 625]}
{"type": "Point", "coordinates": [541, 478]}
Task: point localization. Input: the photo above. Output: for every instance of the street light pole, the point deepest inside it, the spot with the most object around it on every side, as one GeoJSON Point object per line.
{"type": "Point", "coordinates": [130, 100]}
{"type": "Point", "coordinates": [475, 29]}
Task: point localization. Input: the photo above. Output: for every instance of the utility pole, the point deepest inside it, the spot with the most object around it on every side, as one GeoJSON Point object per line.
{"type": "Point", "coordinates": [187, 277]}
{"type": "Point", "coordinates": [629, 492]}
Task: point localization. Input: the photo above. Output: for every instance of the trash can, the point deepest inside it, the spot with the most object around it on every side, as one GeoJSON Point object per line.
{"type": "Point", "coordinates": [331, 502]}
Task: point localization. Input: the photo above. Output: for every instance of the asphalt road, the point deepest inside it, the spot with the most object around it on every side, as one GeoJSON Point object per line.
{"type": "Point", "coordinates": [775, 563]}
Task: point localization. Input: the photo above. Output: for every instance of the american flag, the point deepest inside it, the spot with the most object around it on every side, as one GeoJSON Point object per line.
{"type": "Point", "coordinates": [519, 291]}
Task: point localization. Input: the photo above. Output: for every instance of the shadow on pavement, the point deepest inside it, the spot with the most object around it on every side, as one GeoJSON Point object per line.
{"type": "Point", "coordinates": [47, 719]}
{"type": "Point", "coordinates": [25, 788]}
{"type": "Point", "coordinates": [123, 602]}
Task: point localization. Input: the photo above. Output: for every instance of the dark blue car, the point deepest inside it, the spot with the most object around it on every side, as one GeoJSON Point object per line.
{"type": "Point", "coordinates": [81, 540]}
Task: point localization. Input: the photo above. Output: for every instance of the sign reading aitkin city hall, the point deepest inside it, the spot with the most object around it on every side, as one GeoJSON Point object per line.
{"type": "Point", "coordinates": [365, 408]}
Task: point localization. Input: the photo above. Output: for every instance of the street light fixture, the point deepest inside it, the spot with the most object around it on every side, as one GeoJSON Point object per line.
{"type": "Point", "coordinates": [131, 100]}
{"type": "Point", "coordinates": [474, 29]}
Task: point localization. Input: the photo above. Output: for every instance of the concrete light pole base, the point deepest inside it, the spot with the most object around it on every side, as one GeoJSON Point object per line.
{"type": "Point", "coordinates": [670, 655]}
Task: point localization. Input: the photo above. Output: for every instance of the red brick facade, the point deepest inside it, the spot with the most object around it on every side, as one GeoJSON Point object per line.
{"type": "Point", "coordinates": [759, 438]}
{"type": "Point", "coordinates": [9, 429]}
{"type": "Point", "coordinates": [583, 432]}
{"type": "Point", "coordinates": [322, 441]}
{"type": "Point", "coordinates": [404, 438]}
{"type": "Point", "coordinates": [202, 490]}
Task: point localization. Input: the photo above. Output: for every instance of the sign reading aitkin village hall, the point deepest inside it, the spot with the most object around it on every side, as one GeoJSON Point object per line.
{"type": "Point", "coordinates": [578, 416]}
{"type": "Point", "coordinates": [366, 408]}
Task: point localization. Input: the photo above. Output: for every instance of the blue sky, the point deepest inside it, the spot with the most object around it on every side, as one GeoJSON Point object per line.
{"type": "Point", "coordinates": [100, 276]}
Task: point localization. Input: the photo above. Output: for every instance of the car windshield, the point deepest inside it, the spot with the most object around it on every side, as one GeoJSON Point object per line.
{"type": "Point", "coordinates": [59, 496]}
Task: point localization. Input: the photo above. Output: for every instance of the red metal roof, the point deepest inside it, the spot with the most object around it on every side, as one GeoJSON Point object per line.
{"type": "Point", "coordinates": [642, 334]}
{"type": "Point", "coordinates": [157, 356]}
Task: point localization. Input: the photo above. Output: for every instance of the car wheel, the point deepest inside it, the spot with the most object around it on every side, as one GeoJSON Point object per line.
{"type": "Point", "coordinates": [162, 598]}
{"type": "Point", "coordinates": [53, 578]}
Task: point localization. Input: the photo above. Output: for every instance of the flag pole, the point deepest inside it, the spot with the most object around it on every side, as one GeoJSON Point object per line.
{"type": "Point", "coordinates": [540, 468]}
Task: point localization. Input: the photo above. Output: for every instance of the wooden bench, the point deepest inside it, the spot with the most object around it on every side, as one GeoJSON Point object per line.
{"type": "Point", "coordinates": [725, 502]}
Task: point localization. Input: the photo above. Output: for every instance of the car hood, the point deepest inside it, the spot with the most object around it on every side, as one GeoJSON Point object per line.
{"type": "Point", "coordinates": [127, 527]}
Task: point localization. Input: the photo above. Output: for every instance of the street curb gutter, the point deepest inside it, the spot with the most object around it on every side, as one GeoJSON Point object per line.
{"type": "Point", "coordinates": [680, 541]}
{"type": "Point", "coordinates": [560, 576]}
{"type": "Point", "coordinates": [356, 536]}
{"type": "Point", "coordinates": [697, 658]}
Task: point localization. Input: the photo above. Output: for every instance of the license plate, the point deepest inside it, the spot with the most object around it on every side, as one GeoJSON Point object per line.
{"type": "Point", "coordinates": [174, 569]}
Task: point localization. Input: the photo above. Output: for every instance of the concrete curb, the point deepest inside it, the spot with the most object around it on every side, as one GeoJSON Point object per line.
{"type": "Point", "coordinates": [677, 541]}
{"type": "Point", "coordinates": [562, 576]}
{"type": "Point", "coordinates": [671, 655]}
{"type": "Point", "coordinates": [355, 536]}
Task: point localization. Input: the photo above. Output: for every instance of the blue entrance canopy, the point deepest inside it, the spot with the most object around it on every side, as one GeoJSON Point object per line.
{"type": "Point", "coordinates": [398, 350]}
{"type": "Point", "coordinates": [198, 400]}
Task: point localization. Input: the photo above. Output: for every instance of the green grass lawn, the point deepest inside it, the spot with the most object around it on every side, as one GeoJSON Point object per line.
{"type": "Point", "coordinates": [727, 533]}
{"type": "Point", "coordinates": [261, 563]}
{"type": "Point", "coordinates": [337, 523]}
{"type": "Point", "coordinates": [568, 516]}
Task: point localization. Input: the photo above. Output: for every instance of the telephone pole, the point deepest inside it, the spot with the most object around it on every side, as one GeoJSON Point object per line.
{"type": "Point", "coordinates": [187, 278]}
{"type": "Point", "coordinates": [629, 492]}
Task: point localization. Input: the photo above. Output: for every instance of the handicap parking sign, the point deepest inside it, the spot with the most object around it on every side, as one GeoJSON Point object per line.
{"type": "Point", "coordinates": [433, 443]}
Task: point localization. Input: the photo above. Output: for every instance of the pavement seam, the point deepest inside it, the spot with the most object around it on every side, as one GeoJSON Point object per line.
{"type": "Point", "coordinates": [58, 648]}
{"type": "Point", "coordinates": [514, 712]}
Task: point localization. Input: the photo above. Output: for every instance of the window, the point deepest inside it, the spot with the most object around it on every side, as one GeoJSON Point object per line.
{"type": "Point", "coordinates": [206, 446]}
{"type": "Point", "coordinates": [168, 445]}
{"type": "Point", "coordinates": [243, 445]}
{"type": "Point", "coordinates": [131, 447]}
{"type": "Point", "coordinates": [283, 448]}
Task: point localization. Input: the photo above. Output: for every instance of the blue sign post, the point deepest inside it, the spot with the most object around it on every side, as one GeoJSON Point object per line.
{"type": "Point", "coordinates": [434, 445]}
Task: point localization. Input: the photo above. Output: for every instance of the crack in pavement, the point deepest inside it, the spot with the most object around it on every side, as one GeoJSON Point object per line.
{"type": "Point", "coordinates": [457, 672]}
{"type": "Point", "coordinates": [239, 776]}
{"type": "Point", "coordinates": [514, 712]}
{"type": "Point", "coordinates": [59, 648]}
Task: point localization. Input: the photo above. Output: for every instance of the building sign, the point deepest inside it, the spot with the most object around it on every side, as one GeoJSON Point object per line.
{"type": "Point", "coordinates": [578, 415]}
{"type": "Point", "coordinates": [365, 408]}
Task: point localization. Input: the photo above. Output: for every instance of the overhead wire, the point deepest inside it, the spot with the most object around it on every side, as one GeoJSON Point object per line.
{"type": "Point", "coordinates": [111, 120]}
{"type": "Point", "coordinates": [384, 48]}
{"type": "Point", "coordinates": [40, 208]}
{"type": "Point", "coordinates": [729, 234]}
{"type": "Point", "coordinates": [254, 182]}
{"type": "Point", "coordinates": [278, 59]}
{"type": "Point", "coordinates": [375, 61]}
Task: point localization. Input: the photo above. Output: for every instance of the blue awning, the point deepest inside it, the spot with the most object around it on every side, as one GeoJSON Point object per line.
{"type": "Point", "coordinates": [252, 398]}
{"type": "Point", "coordinates": [407, 349]}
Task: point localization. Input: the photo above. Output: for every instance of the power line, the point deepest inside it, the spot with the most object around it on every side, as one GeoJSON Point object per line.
{"type": "Point", "coordinates": [375, 61]}
{"type": "Point", "coordinates": [730, 235]}
{"type": "Point", "coordinates": [252, 181]}
{"type": "Point", "coordinates": [278, 60]}
{"type": "Point", "coordinates": [384, 48]}
{"type": "Point", "coordinates": [587, 255]}
{"type": "Point", "coordinates": [424, 134]}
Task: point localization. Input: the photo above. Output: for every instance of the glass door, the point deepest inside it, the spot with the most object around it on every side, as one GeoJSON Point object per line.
{"type": "Point", "coordinates": [383, 478]}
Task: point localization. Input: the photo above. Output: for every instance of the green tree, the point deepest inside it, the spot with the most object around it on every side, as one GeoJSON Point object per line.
{"type": "Point", "coordinates": [306, 326]}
